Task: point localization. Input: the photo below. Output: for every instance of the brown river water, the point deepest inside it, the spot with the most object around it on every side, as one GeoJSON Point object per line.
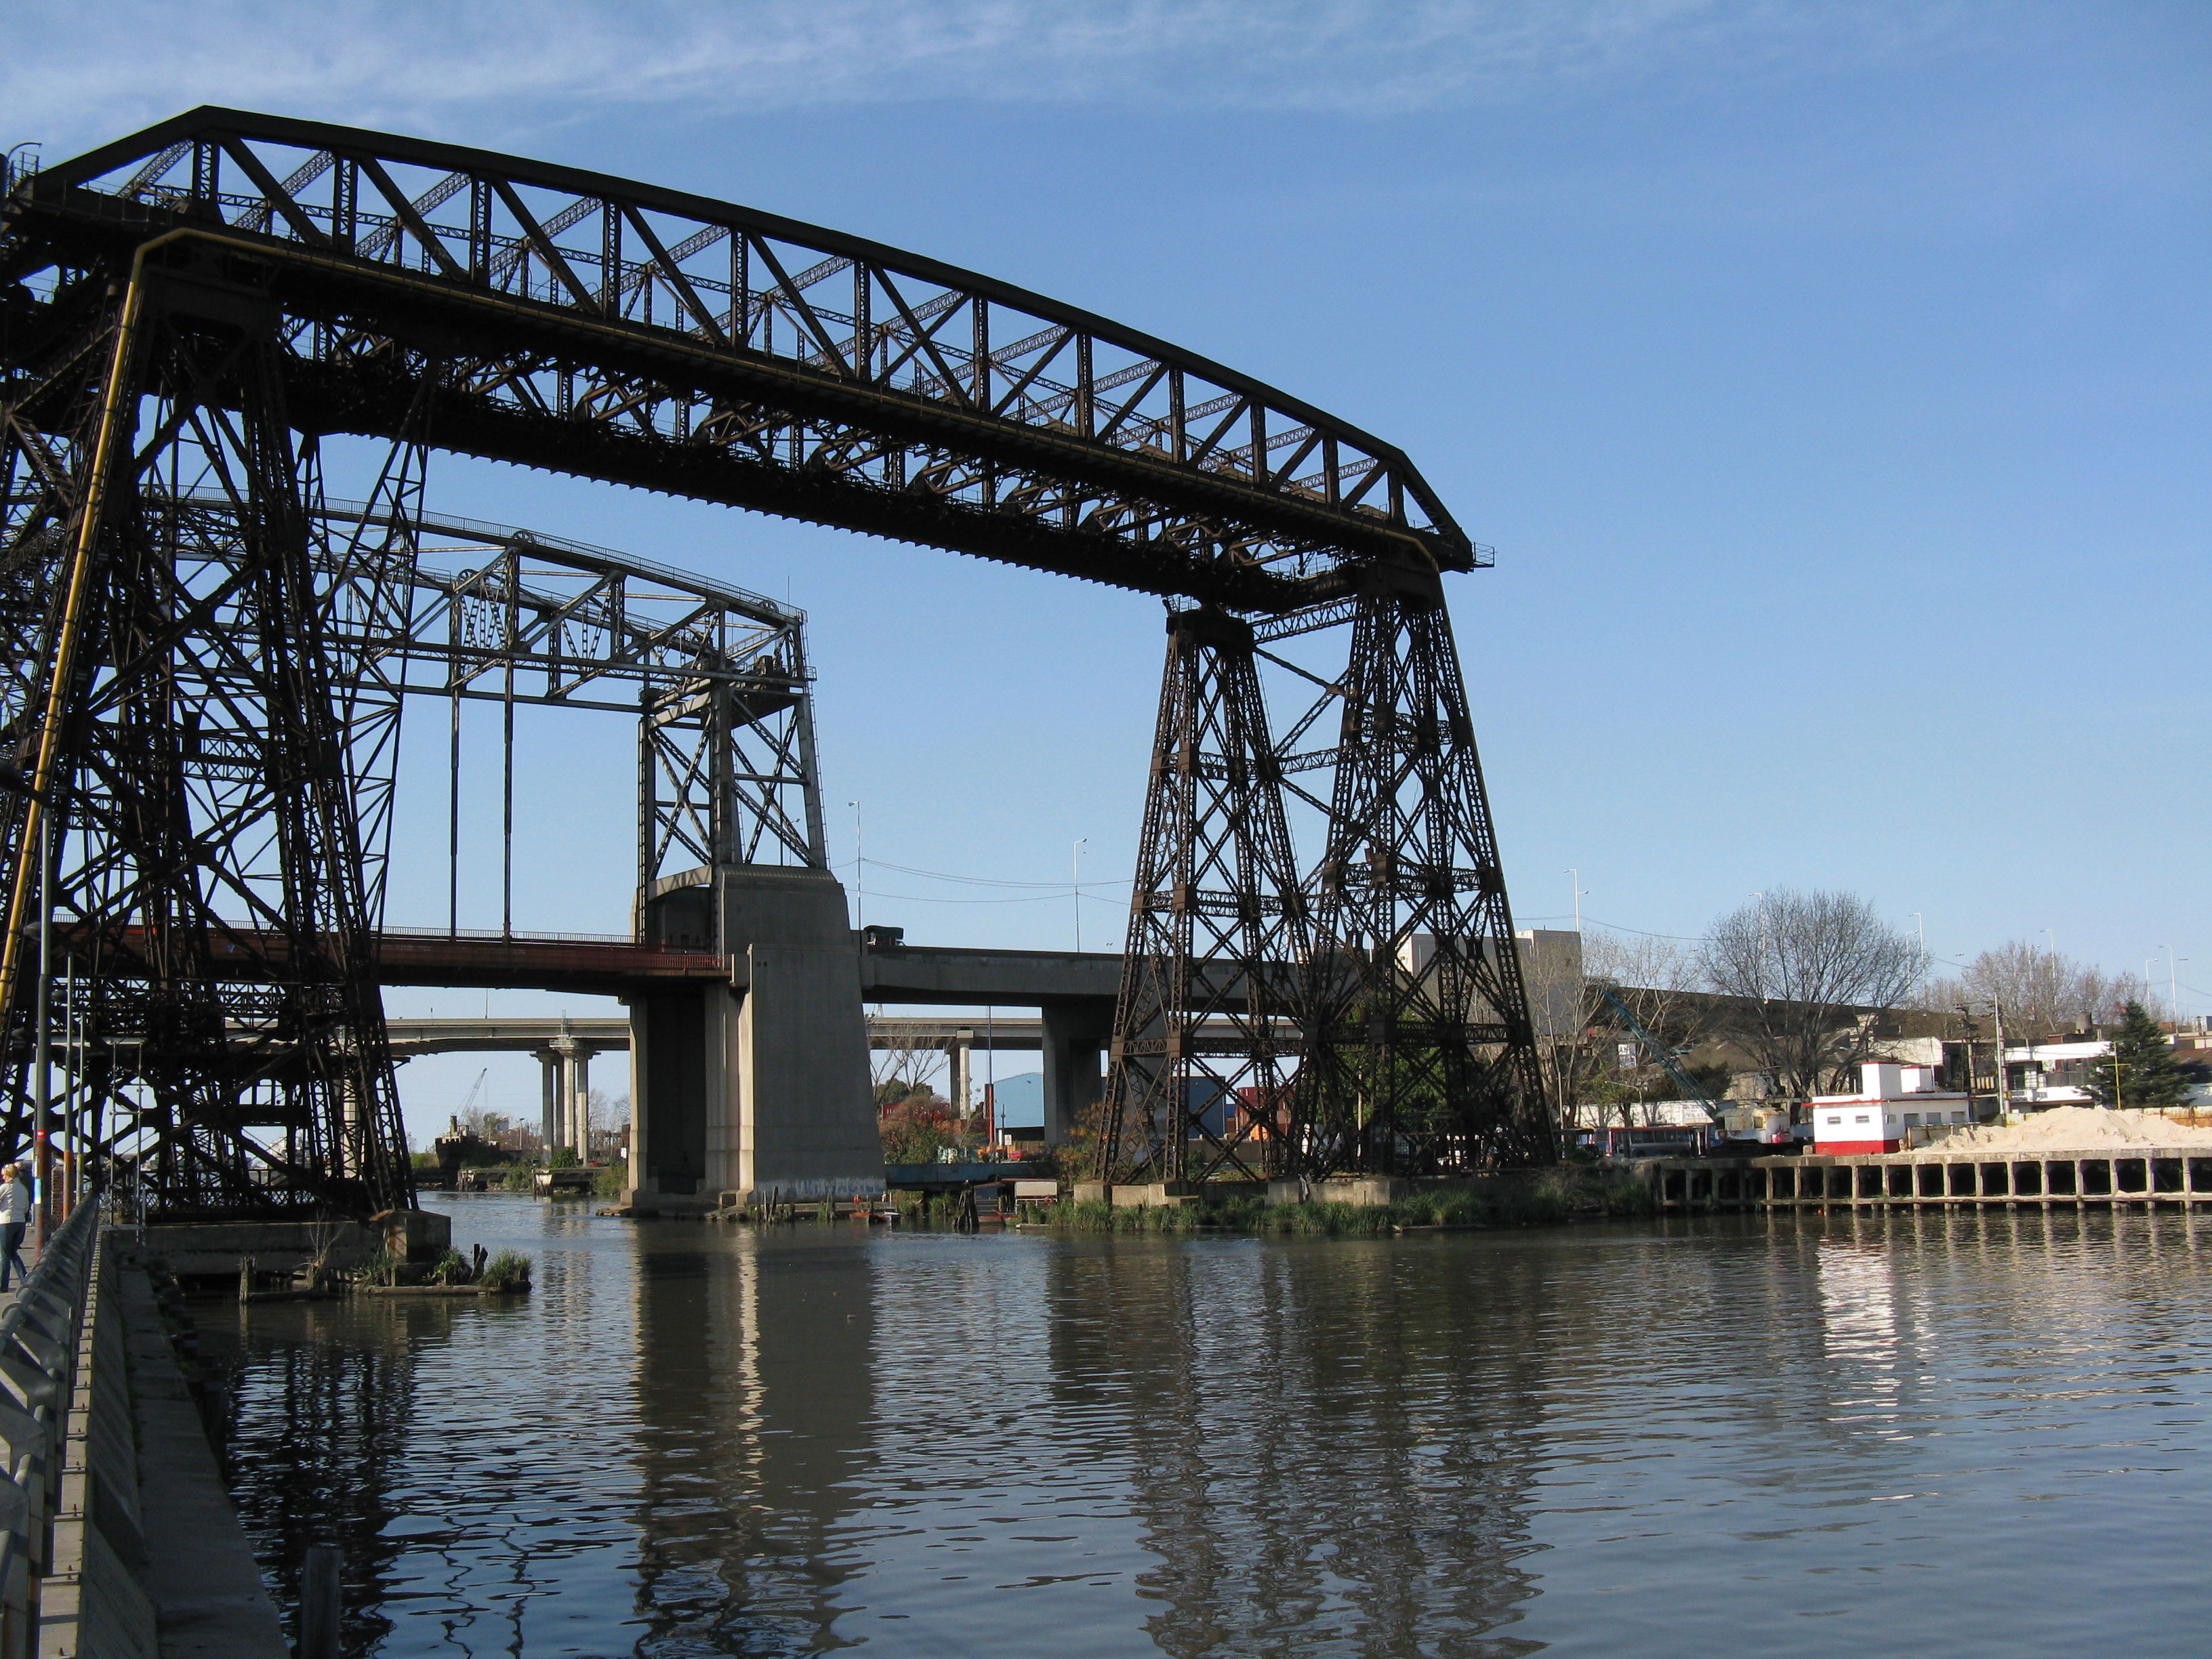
{"type": "Point", "coordinates": [1970, 1434]}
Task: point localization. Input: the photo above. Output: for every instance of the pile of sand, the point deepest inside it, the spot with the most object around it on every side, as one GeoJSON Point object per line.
{"type": "Point", "coordinates": [2080, 1129]}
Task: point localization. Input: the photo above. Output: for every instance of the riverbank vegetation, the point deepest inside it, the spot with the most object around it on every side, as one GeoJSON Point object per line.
{"type": "Point", "coordinates": [1535, 1198]}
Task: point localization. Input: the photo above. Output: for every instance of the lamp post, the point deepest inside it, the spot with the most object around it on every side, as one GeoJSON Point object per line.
{"type": "Point", "coordinates": [1579, 896]}
{"type": "Point", "coordinates": [859, 872]}
{"type": "Point", "coordinates": [1075, 874]}
{"type": "Point", "coordinates": [2004, 1090]}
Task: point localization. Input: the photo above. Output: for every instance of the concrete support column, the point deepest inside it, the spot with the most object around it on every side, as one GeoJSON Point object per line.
{"type": "Point", "coordinates": [956, 1057]}
{"type": "Point", "coordinates": [1075, 1036]}
{"type": "Point", "coordinates": [580, 1104]}
{"type": "Point", "coordinates": [641, 1145]}
{"type": "Point", "coordinates": [564, 1104]}
{"type": "Point", "coordinates": [548, 1121]}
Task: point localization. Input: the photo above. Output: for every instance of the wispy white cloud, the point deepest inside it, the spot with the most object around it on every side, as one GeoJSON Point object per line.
{"type": "Point", "coordinates": [77, 70]}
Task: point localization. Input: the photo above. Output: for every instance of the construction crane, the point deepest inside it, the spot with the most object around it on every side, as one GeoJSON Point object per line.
{"type": "Point", "coordinates": [470, 1098]}
{"type": "Point", "coordinates": [1691, 1088]}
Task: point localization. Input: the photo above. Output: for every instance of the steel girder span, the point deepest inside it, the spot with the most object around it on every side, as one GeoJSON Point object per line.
{"type": "Point", "coordinates": [192, 309]}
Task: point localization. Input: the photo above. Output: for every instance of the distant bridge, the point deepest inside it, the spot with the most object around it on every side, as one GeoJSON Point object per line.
{"type": "Point", "coordinates": [565, 1045]}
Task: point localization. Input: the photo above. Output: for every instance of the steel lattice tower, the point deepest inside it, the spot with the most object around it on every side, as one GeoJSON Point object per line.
{"type": "Point", "coordinates": [191, 776]}
{"type": "Point", "coordinates": [1420, 1055]}
{"type": "Point", "coordinates": [1204, 1040]}
{"type": "Point", "coordinates": [1366, 1014]}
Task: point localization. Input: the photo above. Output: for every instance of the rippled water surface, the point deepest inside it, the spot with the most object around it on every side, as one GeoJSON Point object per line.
{"type": "Point", "coordinates": [1964, 1434]}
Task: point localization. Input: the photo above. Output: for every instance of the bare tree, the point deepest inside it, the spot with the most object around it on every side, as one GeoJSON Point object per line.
{"type": "Point", "coordinates": [1658, 981]}
{"type": "Point", "coordinates": [899, 1067]}
{"type": "Point", "coordinates": [2043, 993]}
{"type": "Point", "coordinates": [1580, 1036]}
{"type": "Point", "coordinates": [1552, 969]}
{"type": "Point", "coordinates": [1801, 968]}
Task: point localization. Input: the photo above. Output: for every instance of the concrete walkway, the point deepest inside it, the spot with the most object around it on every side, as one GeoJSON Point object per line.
{"type": "Point", "coordinates": [208, 1599]}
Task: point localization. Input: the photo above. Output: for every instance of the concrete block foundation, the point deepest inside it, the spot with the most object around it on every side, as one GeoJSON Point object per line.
{"type": "Point", "coordinates": [1153, 1195]}
{"type": "Point", "coordinates": [1364, 1191]}
{"type": "Point", "coordinates": [209, 1250]}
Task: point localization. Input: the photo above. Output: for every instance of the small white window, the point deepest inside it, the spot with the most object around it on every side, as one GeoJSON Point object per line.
{"type": "Point", "coordinates": [1958, 1117]}
{"type": "Point", "coordinates": [1862, 1118]}
{"type": "Point", "coordinates": [1835, 1120]}
{"type": "Point", "coordinates": [1912, 1120]}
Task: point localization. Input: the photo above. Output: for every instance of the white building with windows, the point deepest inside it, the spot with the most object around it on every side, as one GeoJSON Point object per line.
{"type": "Point", "coordinates": [2044, 1074]}
{"type": "Point", "coordinates": [1891, 1099]}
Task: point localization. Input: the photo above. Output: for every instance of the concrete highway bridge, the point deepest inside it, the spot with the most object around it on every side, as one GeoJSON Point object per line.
{"type": "Point", "coordinates": [565, 1046]}
{"type": "Point", "coordinates": [695, 1059]}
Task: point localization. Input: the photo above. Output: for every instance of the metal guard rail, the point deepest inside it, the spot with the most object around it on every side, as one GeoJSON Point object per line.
{"type": "Point", "coordinates": [40, 1334]}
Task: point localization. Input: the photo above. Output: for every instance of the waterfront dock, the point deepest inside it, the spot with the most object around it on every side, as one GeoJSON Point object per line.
{"type": "Point", "coordinates": [2030, 1178]}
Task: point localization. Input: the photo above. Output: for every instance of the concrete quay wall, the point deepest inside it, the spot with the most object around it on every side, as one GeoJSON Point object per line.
{"type": "Point", "coordinates": [121, 1541]}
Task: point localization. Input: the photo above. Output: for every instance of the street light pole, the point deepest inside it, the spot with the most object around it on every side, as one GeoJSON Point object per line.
{"type": "Point", "coordinates": [1577, 876]}
{"type": "Point", "coordinates": [1075, 873]}
{"type": "Point", "coordinates": [42, 1021]}
{"type": "Point", "coordinates": [2004, 1090]}
{"type": "Point", "coordinates": [860, 871]}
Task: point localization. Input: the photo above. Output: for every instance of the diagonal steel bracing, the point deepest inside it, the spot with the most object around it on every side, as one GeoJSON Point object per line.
{"type": "Point", "coordinates": [1420, 1057]}
{"type": "Point", "coordinates": [1376, 986]}
{"type": "Point", "coordinates": [1217, 928]}
{"type": "Point", "coordinates": [189, 843]}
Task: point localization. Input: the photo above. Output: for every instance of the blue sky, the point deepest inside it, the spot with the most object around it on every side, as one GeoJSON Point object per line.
{"type": "Point", "coordinates": [1833, 380]}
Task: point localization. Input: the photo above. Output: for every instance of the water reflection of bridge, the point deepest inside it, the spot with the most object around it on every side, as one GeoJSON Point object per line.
{"type": "Point", "coordinates": [1216, 1450]}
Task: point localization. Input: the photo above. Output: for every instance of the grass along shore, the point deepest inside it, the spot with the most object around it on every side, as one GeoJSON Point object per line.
{"type": "Point", "coordinates": [1532, 1198]}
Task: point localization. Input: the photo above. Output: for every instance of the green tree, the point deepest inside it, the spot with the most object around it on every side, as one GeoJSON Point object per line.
{"type": "Point", "coordinates": [916, 1126]}
{"type": "Point", "coordinates": [2149, 1077]}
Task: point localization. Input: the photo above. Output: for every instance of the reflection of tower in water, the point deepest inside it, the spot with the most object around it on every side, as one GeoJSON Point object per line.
{"type": "Point", "coordinates": [1315, 1455]}
{"type": "Point", "coordinates": [318, 1438]}
{"type": "Point", "coordinates": [734, 1520]}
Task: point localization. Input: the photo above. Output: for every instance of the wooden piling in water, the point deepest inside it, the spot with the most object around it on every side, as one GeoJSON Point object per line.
{"type": "Point", "coordinates": [2146, 1177]}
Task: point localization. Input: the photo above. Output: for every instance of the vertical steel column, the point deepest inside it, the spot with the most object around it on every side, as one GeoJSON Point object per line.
{"type": "Point", "coordinates": [1203, 1032]}
{"type": "Point", "coordinates": [218, 888]}
{"type": "Point", "coordinates": [1420, 1056]}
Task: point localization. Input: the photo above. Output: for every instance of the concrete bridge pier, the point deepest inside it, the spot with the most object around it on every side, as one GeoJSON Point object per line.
{"type": "Point", "coordinates": [565, 1112]}
{"type": "Point", "coordinates": [576, 1066]}
{"type": "Point", "coordinates": [960, 1067]}
{"type": "Point", "coordinates": [548, 1111]}
{"type": "Point", "coordinates": [761, 1084]}
{"type": "Point", "coordinates": [1076, 1034]}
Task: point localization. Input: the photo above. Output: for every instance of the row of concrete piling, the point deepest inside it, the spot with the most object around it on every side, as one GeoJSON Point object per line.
{"type": "Point", "coordinates": [2039, 1178]}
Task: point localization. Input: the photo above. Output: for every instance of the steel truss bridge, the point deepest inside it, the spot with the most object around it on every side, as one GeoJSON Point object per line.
{"type": "Point", "coordinates": [206, 648]}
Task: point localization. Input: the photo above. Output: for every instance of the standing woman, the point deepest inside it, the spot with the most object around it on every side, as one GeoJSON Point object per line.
{"type": "Point", "coordinates": [14, 1214]}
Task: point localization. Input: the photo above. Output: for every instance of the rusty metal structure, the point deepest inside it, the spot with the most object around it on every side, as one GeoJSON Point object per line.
{"type": "Point", "coordinates": [222, 308]}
